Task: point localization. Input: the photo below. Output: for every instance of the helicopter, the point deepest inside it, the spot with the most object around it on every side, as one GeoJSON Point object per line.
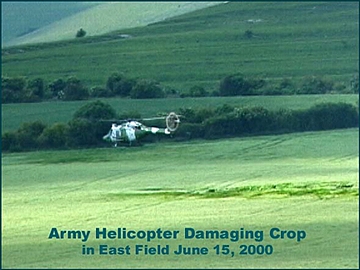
{"type": "Point", "coordinates": [131, 131]}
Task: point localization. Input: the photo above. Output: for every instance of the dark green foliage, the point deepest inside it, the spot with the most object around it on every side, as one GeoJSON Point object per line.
{"type": "Point", "coordinates": [228, 121]}
{"type": "Point", "coordinates": [147, 89]}
{"type": "Point", "coordinates": [57, 87]}
{"type": "Point", "coordinates": [315, 85]}
{"type": "Point", "coordinates": [13, 89]}
{"type": "Point", "coordinates": [35, 91]}
{"type": "Point", "coordinates": [81, 132]}
{"type": "Point", "coordinates": [95, 110]}
{"type": "Point", "coordinates": [75, 90]}
{"type": "Point", "coordinates": [331, 116]}
{"type": "Point", "coordinates": [9, 142]}
{"type": "Point", "coordinates": [235, 85]}
{"type": "Point", "coordinates": [54, 136]}
{"type": "Point", "coordinates": [118, 85]}
{"type": "Point", "coordinates": [80, 33]}
{"type": "Point", "coordinates": [29, 133]}
{"type": "Point", "coordinates": [189, 131]}
{"type": "Point", "coordinates": [196, 116]}
{"type": "Point", "coordinates": [238, 85]}
{"type": "Point", "coordinates": [86, 128]}
{"type": "Point", "coordinates": [248, 34]}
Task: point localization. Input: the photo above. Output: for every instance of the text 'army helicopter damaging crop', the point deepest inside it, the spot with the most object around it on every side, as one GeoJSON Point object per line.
{"type": "Point", "coordinates": [131, 130]}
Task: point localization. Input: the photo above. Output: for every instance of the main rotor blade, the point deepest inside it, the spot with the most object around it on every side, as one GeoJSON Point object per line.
{"type": "Point", "coordinates": [153, 118]}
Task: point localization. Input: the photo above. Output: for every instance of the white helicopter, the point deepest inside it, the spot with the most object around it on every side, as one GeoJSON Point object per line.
{"type": "Point", "coordinates": [132, 130]}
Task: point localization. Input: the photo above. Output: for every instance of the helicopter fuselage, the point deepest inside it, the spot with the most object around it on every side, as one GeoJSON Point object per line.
{"type": "Point", "coordinates": [130, 132]}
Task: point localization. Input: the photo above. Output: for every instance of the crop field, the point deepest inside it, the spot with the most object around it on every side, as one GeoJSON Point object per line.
{"type": "Point", "coordinates": [301, 182]}
{"type": "Point", "coordinates": [13, 115]}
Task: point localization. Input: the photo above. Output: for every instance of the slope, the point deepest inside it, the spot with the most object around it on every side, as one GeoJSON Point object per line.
{"type": "Point", "coordinates": [34, 16]}
{"type": "Point", "coordinates": [110, 16]}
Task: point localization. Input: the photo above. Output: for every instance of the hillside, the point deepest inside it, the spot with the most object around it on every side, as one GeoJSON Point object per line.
{"type": "Point", "coordinates": [287, 40]}
{"type": "Point", "coordinates": [34, 16]}
{"type": "Point", "coordinates": [97, 18]}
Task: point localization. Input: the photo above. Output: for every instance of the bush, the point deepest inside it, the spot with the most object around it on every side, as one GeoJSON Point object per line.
{"type": "Point", "coordinates": [190, 131]}
{"type": "Point", "coordinates": [332, 116]}
{"type": "Point", "coordinates": [248, 34]}
{"type": "Point", "coordinates": [95, 110]}
{"type": "Point", "coordinates": [315, 85]}
{"type": "Point", "coordinates": [9, 142]}
{"type": "Point", "coordinates": [81, 132]}
{"type": "Point", "coordinates": [234, 85]}
{"type": "Point", "coordinates": [54, 136]}
{"type": "Point", "coordinates": [147, 89]}
{"type": "Point", "coordinates": [238, 85]}
{"type": "Point", "coordinates": [80, 33]}
{"type": "Point", "coordinates": [13, 89]}
{"type": "Point", "coordinates": [118, 85]}
{"type": "Point", "coordinates": [75, 90]}
{"type": "Point", "coordinates": [56, 87]}
{"type": "Point", "coordinates": [28, 134]}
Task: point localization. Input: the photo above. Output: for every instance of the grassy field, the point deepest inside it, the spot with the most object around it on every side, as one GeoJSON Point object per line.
{"type": "Point", "coordinates": [290, 40]}
{"type": "Point", "coordinates": [302, 181]}
{"type": "Point", "coordinates": [49, 112]}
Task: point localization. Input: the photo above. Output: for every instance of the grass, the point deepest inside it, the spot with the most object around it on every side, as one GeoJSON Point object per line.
{"type": "Point", "coordinates": [292, 40]}
{"type": "Point", "coordinates": [303, 181]}
{"type": "Point", "coordinates": [13, 115]}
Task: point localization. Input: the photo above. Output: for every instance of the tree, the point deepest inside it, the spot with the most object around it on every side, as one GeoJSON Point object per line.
{"type": "Point", "coordinates": [54, 136]}
{"type": "Point", "coordinates": [118, 84]}
{"type": "Point", "coordinates": [35, 90]}
{"type": "Point", "coordinates": [95, 110]}
{"type": "Point", "coordinates": [28, 134]}
{"type": "Point", "coordinates": [315, 85]}
{"type": "Point", "coordinates": [75, 90]}
{"type": "Point", "coordinates": [13, 89]}
{"type": "Point", "coordinates": [234, 85]}
{"type": "Point", "coordinates": [147, 89]}
{"type": "Point", "coordinates": [81, 133]}
{"type": "Point", "coordinates": [80, 33]}
{"type": "Point", "coordinates": [57, 87]}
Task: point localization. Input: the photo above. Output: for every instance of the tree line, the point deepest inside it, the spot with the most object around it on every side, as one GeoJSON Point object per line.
{"type": "Point", "coordinates": [20, 89]}
{"type": "Point", "coordinates": [87, 127]}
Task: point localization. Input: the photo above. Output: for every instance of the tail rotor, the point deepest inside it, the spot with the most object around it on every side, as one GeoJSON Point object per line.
{"type": "Point", "coordinates": [172, 121]}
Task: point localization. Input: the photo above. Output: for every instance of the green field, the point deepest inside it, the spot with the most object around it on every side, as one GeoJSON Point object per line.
{"type": "Point", "coordinates": [13, 115]}
{"type": "Point", "coordinates": [290, 40]}
{"type": "Point", "coordinates": [302, 181]}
